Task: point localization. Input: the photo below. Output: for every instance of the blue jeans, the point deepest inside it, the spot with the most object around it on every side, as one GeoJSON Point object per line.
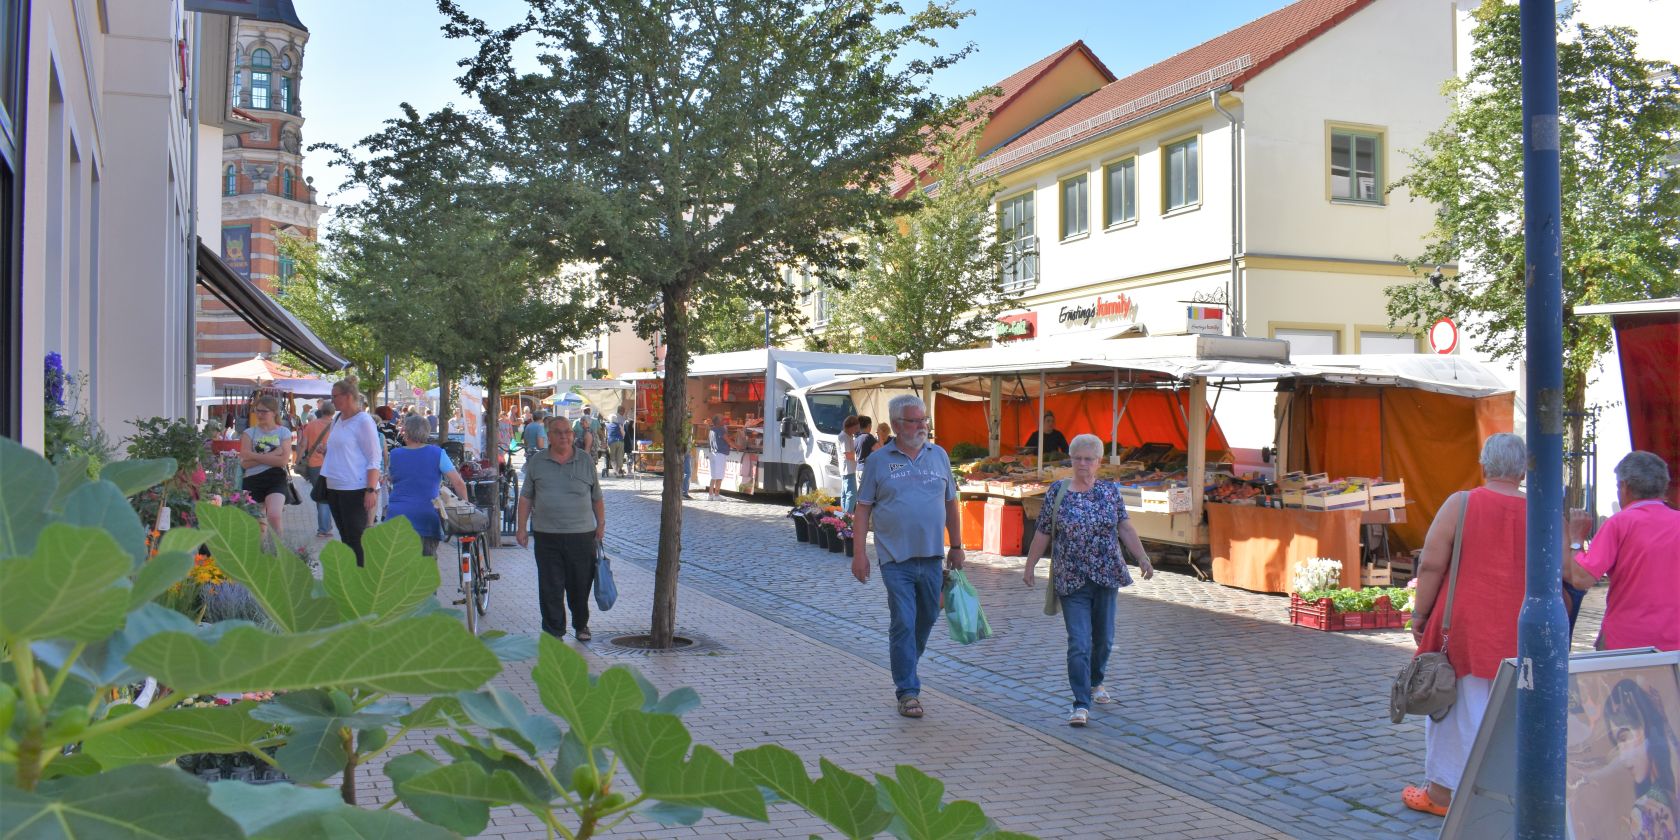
{"type": "Point", "coordinates": [1088, 613]}
{"type": "Point", "coordinates": [688, 471]}
{"type": "Point", "coordinates": [848, 491]}
{"type": "Point", "coordinates": [913, 602]}
{"type": "Point", "coordinates": [323, 511]}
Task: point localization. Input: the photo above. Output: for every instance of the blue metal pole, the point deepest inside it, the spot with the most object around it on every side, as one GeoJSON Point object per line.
{"type": "Point", "coordinates": [1543, 627]}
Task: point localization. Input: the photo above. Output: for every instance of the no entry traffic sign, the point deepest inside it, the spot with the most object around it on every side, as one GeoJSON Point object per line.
{"type": "Point", "coordinates": [1443, 336]}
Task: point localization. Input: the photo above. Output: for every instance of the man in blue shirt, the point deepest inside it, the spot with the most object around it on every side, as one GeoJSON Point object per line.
{"type": "Point", "coordinates": [908, 494]}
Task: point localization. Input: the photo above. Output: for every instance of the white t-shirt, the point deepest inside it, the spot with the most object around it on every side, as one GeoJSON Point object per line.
{"type": "Point", "coordinates": [352, 449]}
{"type": "Point", "coordinates": [848, 458]}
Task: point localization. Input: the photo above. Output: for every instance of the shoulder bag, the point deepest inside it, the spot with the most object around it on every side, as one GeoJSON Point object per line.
{"type": "Point", "coordinates": [302, 465]}
{"type": "Point", "coordinates": [318, 486]}
{"type": "Point", "coordinates": [1428, 685]}
{"type": "Point", "coordinates": [1052, 601]}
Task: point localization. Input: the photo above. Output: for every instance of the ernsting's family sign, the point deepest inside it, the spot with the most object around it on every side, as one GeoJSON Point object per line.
{"type": "Point", "coordinates": [1118, 308]}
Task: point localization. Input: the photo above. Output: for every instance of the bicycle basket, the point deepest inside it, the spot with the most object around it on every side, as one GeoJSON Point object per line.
{"type": "Point", "coordinates": [462, 518]}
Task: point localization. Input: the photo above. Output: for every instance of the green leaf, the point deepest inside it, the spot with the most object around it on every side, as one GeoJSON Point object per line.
{"type": "Point", "coordinates": [104, 663]}
{"type": "Point", "coordinates": [670, 813]}
{"type": "Point", "coordinates": [500, 712]}
{"type": "Point", "coordinates": [178, 732]}
{"type": "Point", "coordinates": [424, 655]}
{"type": "Point", "coordinates": [158, 574]}
{"type": "Point", "coordinates": [29, 483]}
{"type": "Point", "coordinates": [435, 713]}
{"type": "Point", "coordinates": [135, 475]}
{"type": "Point", "coordinates": [495, 760]}
{"type": "Point", "coordinates": [66, 587]}
{"type": "Point", "coordinates": [510, 648]}
{"type": "Point", "coordinates": [313, 751]}
{"type": "Point", "coordinates": [463, 816]}
{"type": "Point", "coordinates": [654, 747]}
{"type": "Point", "coordinates": [566, 689]}
{"type": "Point", "coordinates": [71, 473]}
{"type": "Point", "coordinates": [572, 755]}
{"type": "Point", "coordinates": [135, 802]}
{"type": "Point", "coordinates": [8, 706]}
{"type": "Point", "coordinates": [101, 505]}
{"type": "Point", "coordinates": [841, 799]}
{"type": "Point", "coordinates": [349, 823]}
{"type": "Point", "coordinates": [396, 578]}
{"type": "Point", "coordinates": [298, 708]}
{"type": "Point", "coordinates": [470, 790]}
{"type": "Point", "coordinates": [915, 798]}
{"type": "Point", "coordinates": [284, 587]}
{"type": "Point", "coordinates": [256, 807]}
{"type": "Point", "coordinates": [184, 540]}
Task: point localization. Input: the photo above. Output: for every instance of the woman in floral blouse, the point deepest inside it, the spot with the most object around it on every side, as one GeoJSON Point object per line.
{"type": "Point", "coordinates": [1088, 520]}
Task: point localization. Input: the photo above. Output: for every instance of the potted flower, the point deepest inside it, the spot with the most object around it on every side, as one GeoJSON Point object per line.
{"type": "Point", "coordinates": [801, 525]}
{"type": "Point", "coordinates": [831, 525]}
{"type": "Point", "coordinates": [846, 536]}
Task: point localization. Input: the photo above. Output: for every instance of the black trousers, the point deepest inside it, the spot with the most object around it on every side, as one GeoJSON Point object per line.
{"type": "Point", "coordinates": [565, 573]}
{"type": "Point", "coordinates": [349, 513]}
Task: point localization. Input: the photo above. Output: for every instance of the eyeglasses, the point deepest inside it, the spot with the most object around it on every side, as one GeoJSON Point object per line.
{"type": "Point", "coordinates": [911, 421]}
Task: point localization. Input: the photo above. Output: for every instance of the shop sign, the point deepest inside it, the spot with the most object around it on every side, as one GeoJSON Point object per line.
{"type": "Point", "coordinates": [1205, 320]}
{"type": "Point", "coordinates": [1102, 310]}
{"type": "Point", "coordinates": [1017, 327]}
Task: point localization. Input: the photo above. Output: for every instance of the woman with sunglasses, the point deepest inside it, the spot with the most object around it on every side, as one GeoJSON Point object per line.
{"type": "Point", "coordinates": [265, 450]}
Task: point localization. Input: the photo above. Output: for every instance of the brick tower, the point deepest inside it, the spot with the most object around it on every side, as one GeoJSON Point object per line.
{"type": "Point", "coordinates": [265, 194]}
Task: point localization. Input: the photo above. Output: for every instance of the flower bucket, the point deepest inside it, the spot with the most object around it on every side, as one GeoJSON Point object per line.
{"type": "Point", "coordinates": [821, 538]}
{"type": "Point", "coordinates": [801, 529]}
{"type": "Point", "coordinates": [849, 546]}
{"type": "Point", "coordinates": [836, 544]}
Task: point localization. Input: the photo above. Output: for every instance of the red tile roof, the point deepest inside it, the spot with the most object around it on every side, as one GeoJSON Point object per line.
{"type": "Point", "coordinates": [1230, 59]}
{"type": "Point", "coordinates": [983, 109]}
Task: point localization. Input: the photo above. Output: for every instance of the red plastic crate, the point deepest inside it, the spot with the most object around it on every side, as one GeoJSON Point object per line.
{"type": "Point", "coordinates": [1322, 615]}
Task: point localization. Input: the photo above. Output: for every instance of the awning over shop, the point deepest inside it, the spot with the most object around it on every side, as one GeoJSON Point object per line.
{"type": "Point", "coordinates": [1647, 343]}
{"type": "Point", "coordinates": [256, 308]}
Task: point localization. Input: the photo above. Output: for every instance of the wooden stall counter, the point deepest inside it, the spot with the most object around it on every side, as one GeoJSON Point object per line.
{"type": "Point", "coordinates": [1259, 548]}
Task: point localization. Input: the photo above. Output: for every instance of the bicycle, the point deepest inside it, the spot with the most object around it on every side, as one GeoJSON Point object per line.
{"type": "Point", "coordinates": [473, 567]}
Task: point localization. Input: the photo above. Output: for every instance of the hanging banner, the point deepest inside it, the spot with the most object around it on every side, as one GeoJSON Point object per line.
{"type": "Point", "coordinates": [472, 414]}
{"type": "Point", "coordinates": [1205, 320]}
{"type": "Point", "coordinates": [236, 249]}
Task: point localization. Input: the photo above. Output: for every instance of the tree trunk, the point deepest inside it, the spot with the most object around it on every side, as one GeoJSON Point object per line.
{"type": "Point", "coordinates": [492, 425]}
{"type": "Point", "coordinates": [675, 314]}
{"type": "Point", "coordinates": [443, 403]}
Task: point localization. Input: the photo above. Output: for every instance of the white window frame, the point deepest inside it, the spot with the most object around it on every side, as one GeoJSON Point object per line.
{"type": "Point", "coordinates": [1128, 193]}
{"type": "Point", "coordinates": [1079, 226]}
{"type": "Point", "coordinates": [1190, 191]}
{"type": "Point", "coordinates": [1020, 267]}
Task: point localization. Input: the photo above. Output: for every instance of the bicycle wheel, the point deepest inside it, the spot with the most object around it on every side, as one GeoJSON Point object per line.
{"type": "Point", "coordinates": [467, 547]}
{"type": "Point", "coordinates": [481, 579]}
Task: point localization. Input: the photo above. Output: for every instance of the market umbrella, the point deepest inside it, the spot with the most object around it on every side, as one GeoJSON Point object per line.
{"type": "Point", "coordinates": [568, 400]}
{"type": "Point", "coordinates": [254, 370]}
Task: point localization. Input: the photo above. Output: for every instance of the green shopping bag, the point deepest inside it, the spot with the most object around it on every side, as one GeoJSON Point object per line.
{"type": "Point", "coordinates": [962, 610]}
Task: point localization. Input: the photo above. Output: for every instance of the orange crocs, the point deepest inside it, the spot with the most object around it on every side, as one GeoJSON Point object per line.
{"type": "Point", "coordinates": [1417, 799]}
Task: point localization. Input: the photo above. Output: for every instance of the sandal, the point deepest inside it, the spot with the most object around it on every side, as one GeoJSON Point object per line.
{"type": "Point", "coordinates": [1417, 799]}
{"type": "Point", "coordinates": [910, 707]}
{"type": "Point", "coordinates": [1100, 694]}
{"type": "Point", "coordinates": [1078, 717]}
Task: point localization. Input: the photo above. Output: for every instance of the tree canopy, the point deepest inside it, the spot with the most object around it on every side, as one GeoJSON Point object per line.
{"type": "Point", "coordinates": [690, 148]}
{"type": "Point", "coordinates": [313, 295]}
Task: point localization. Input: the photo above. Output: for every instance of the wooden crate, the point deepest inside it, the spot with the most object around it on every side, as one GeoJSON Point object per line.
{"type": "Point", "coordinates": [1386, 495]}
{"type": "Point", "coordinates": [1324, 499]}
{"type": "Point", "coordinates": [1374, 575]}
{"type": "Point", "coordinates": [1302, 481]}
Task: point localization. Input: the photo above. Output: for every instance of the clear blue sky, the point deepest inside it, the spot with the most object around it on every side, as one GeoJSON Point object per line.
{"type": "Point", "coordinates": [366, 57]}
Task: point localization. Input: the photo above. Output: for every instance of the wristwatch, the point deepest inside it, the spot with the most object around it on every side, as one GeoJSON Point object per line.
{"type": "Point", "coordinates": [1575, 546]}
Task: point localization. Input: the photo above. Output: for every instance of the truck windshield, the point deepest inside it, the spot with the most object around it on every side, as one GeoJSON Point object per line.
{"type": "Point", "coordinates": [828, 411]}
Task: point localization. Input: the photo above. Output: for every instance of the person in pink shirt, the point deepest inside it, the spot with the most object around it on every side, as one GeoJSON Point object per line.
{"type": "Point", "coordinates": [1639, 548]}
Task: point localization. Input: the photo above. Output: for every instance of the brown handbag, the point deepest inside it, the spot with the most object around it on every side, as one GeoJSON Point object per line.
{"type": "Point", "coordinates": [1428, 685]}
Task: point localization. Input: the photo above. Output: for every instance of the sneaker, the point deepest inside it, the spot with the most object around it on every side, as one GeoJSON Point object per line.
{"type": "Point", "coordinates": [583, 635]}
{"type": "Point", "coordinates": [1101, 695]}
{"type": "Point", "coordinates": [1078, 717]}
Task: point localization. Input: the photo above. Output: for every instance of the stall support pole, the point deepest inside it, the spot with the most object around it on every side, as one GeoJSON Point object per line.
{"type": "Point", "coordinates": [1197, 424]}
{"type": "Point", "coordinates": [994, 419]}
{"type": "Point", "coordinates": [1114, 415]}
{"type": "Point", "coordinates": [1542, 626]}
{"type": "Point", "coordinates": [1041, 421]}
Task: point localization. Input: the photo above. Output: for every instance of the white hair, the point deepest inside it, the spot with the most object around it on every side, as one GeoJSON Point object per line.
{"type": "Point", "coordinates": [1085, 443]}
{"type": "Point", "coordinates": [1644, 473]}
{"type": "Point", "coordinates": [1505, 455]}
{"type": "Point", "coordinates": [896, 405]}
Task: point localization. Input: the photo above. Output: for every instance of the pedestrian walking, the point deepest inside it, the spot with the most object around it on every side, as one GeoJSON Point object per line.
{"type": "Point", "coordinates": [717, 440]}
{"type": "Point", "coordinates": [848, 462]}
{"type": "Point", "coordinates": [1636, 548]}
{"type": "Point", "coordinates": [562, 508]}
{"type": "Point", "coordinates": [908, 495]}
{"type": "Point", "coordinates": [351, 466]}
{"type": "Point", "coordinates": [615, 443]}
{"type": "Point", "coordinates": [432, 421]}
{"type": "Point", "coordinates": [1084, 525]}
{"type": "Point", "coordinates": [417, 470]}
{"type": "Point", "coordinates": [311, 449]}
{"type": "Point", "coordinates": [265, 450]}
{"type": "Point", "coordinates": [534, 438]}
{"type": "Point", "coordinates": [865, 442]}
{"type": "Point", "coordinates": [1489, 524]}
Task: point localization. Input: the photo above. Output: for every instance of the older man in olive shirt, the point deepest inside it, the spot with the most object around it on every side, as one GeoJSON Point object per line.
{"type": "Point", "coordinates": [561, 504]}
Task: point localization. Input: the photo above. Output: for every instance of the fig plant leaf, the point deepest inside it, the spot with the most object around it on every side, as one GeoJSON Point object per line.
{"type": "Point", "coordinates": [653, 747]}
{"type": "Point", "coordinates": [66, 588]}
{"type": "Point", "coordinates": [387, 587]}
{"type": "Point", "coordinates": [842, 799]}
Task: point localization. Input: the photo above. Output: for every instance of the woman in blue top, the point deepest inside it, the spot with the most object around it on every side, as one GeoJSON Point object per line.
{"type": "Point", "coordinates": [417, 469]}
{"type": "Point", "coordinates": [1088, 519]}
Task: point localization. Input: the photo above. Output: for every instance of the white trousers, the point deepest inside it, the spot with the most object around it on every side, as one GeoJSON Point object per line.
{"type": "Point", "coordinates": [1447, 743]}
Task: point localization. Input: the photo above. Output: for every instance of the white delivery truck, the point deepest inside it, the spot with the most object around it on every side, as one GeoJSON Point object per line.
{"type": "Point", "coordinates": [782, 439]}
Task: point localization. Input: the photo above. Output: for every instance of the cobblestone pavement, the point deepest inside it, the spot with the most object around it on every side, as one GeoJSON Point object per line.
{"type": "Point", "coordinates": [1224, 709]}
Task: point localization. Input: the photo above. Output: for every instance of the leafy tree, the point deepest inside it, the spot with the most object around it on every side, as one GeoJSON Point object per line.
{"type": "Point", "coordinates": [931, 282]}
{"type": "Point", "coordinates": [1619, 130]}
{"type": "Point", "coordinates": [726, 323]}
{"type": "Point", "coordinates": [693, 148]}
{"type": "Point", "coordinates": [431, 266]}
{"type": "Point", "coordinates": [363, 657]}
{"type": "Point", "coordinates": [313, 297]}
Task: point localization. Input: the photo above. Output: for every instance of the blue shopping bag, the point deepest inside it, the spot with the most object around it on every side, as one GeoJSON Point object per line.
{"type": "Point", "coordinates": [962, 610]}
{"type": "Point", "coordinates": [606, 592]}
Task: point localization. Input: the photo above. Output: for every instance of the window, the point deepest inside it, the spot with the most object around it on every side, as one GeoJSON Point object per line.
{"type": "Point", "coordinates": [261, 65]}
{"type": "Point", "coordinates": [1020, 246]}
{"type": "Point", "coordinates": [1181, 175]}
{"type": "Point", "coordinates": [1355, 174]}
{"type": "Point", "coordinates": [1310, 342]}
{"type": "Point", "coordinates": [262, 60]}
{"type": "Point", "coordinates": [1383, 341]}
{"type": "Point", "coordinates": [1076, 206]}
{"type": "Point", "coordinates": [285, 96]}
{"type": "Point", "coordinates": [231, 177]}
{"type": "Point", "coordinates": [288, 267]}
{"type": "Point", "coordinates": [1120, 192]}
{"type": "Point", "coordinates": [14, 47]}
{"type": "Point", "coordinates": [286, 185]}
